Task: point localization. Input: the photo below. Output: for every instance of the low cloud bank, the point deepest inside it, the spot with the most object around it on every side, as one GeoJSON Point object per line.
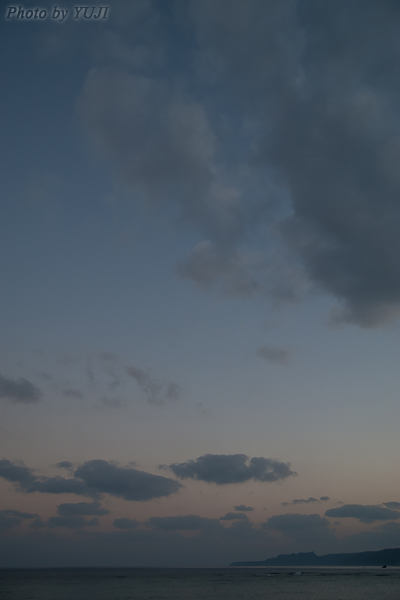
{"type": "Point", "coordinates": [364, 513]}
{"type": "Point", "coordinates": [93, 478]}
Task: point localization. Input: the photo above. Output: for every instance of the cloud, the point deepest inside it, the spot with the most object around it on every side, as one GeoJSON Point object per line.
{"type": "Point", "coordinates": [65, 464]}
{"type": "Point", "coordinates": [274, 354]}
{"type": "Point", "coordinates": [208, 264]}
{"type": "Point", "coordinates": [155, 391]}
{"type": "Point", "coordinates": [125, 523]}
{"type": "Point", "coordinates": [325, 124]}
{"type": "Point", "coordinates": [16, 513]}
{"type": "Point", "coordinates": [25, 480]}
{"type": "Point", "coordinates": [160, 142]}
{"type": "Point", "coordinates": [71, 393]}
{"type": "Point", "coordinates": [143, 125]}
{"type": "Point", "coordinates": [324, 498]}
{"type": "Point", "coordinates": [93, 478]}
{"type": "Point", "coordinates": [71, 522]}
{"type": "Point", "coordinates": [365, 513]}
{"type": "Point", "coordinates": [18, 474]}
{"type": "Point", "coordinates": [8, 522]}
{"type": "Point", "coordinates": [300, 501]}
{"type": "Point", "coordinates": [317, 132]}
{"type": "Point", "coordinates": [57, 485]}
{"type": "Point", "coordinates": [19, 390]}
{"type": "Point", "coordinates": [187, 523]}
{"type": "Point", "coordinates": [81, 508]}
{"type": "Point", "coordinates": [172, 391]}
{"type": "Point", "coordinates": [232, 516]}
{"type": "Point", "coordinates": [161, 145]}
{"type": "Point", "coordinates": [109, 357]}
{"type": "Point", "coordinates": [231, 468]}
{"type": "Point", "coordinates": [125, 482]}
{"type": "Point", "coordinates": [385, 535]}
{"type": "Point", "coordinates": [393, 505]}
{"type": "Point", "coordinates": [12, 518]}
{"type": "Point", "coordinates": [113, 402]}
{"type": "Point", "coordinates": [37, 523]}
{"type": "Point", "coordinates": [312, 528]}
{"type": "Point", "coordinates": [206, 547]}
{"type": "Point", "coordinates": [243, 508]}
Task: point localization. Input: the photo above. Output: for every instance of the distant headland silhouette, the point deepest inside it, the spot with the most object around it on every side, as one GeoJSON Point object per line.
{"type": "Point", "coordinates": [389, 557]}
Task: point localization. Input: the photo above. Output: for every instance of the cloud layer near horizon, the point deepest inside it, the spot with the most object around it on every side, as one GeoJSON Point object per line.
{"type": "Point", "coordinates": [93, 478]}
{"type": "Point", "coordinates": [365, 513]}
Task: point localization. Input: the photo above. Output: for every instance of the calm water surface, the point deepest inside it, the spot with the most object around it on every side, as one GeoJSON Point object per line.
{"type": "Point", "coordinates": [199, 584]}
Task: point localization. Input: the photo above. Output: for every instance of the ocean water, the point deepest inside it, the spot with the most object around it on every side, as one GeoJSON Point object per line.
{"type": "Point", "coordinates": [200, 584]}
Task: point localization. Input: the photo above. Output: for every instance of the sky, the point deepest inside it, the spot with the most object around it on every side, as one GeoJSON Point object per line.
{"type": "Point", "coordinates": [200, 292]}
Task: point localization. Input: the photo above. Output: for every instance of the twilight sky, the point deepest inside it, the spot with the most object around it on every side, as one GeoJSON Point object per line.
{"type": "Point", "coordinates": [199, 252]}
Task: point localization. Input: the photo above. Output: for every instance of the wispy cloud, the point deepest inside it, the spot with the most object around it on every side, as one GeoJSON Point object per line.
{"type": "Point", "coordinates": [19, 390]}
{"type": "Point", "coordinates": [275, 354]}
{"type": "Point", "coordinates": [156, 392]}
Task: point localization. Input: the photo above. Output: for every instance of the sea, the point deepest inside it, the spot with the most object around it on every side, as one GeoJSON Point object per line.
{"type": "Point", "coordinates": [261, 583]}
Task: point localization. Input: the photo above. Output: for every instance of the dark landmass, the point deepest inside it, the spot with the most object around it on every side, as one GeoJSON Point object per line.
{"type": "Point", "coordinates": [389, 557]}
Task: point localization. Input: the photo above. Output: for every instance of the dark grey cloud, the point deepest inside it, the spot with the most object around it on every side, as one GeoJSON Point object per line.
{"type": "Point", "coordinates": [231, 468]}
{"type": "Point", "coordinates": [393, 505]}
{"type": "Point", "coordinates": [315, 104]}
{"type": "Point", "coordinates": [19, 390]}
{"type": "Point", "coordinates": [93, 478]}
{"type": "Point", "coordinates": [125, 482]}
{"type": "Point", "coordinates": [58, 485]}
{"type": "Point", "coordinates": [18, 474]}
{"type": "Point", "coordinates": [25, 480]}
{"type": "Point", "coordinates": [274, 354]}
{"type": "Point", "coordinates": [187, 523]}
{"type": "Point", "coordinates": [232, 516]}
{"type": "Point", "coordinates": [125, 523]}
{"type": "Point", "coordinates": [156, 392]}
{"type": "Point", "coordinates": [326, 124]}
{"type": "Point", "coordinates": [365, 513]}
{"type": "Point", "coordinates": [16, 513]}
{"type": "Point", "coordinates": [8, 522]}
{"type": "Point", "coordinates": [304, 501]}
{"type": "Point", "coordinates": [160, 142]}
{"type": "Point", "coordinates": [324, 498]}
{"type": "Point", "coordinates": [312, 528]}
{"type": "Point", "coordinates": [384, 535]}
{"type": "Point", "coordinates": [243, 508]}
{"type": "Point", "coordinates": [12, 518]}
{"type": "Point", "coordinates": [71, 522]}
{"type": "Point", "coordinates": [38, 523]}
{"type": "Point", "coordinates": [81, 508]}
{"type": "Point", "coordinates": [207, 547]}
